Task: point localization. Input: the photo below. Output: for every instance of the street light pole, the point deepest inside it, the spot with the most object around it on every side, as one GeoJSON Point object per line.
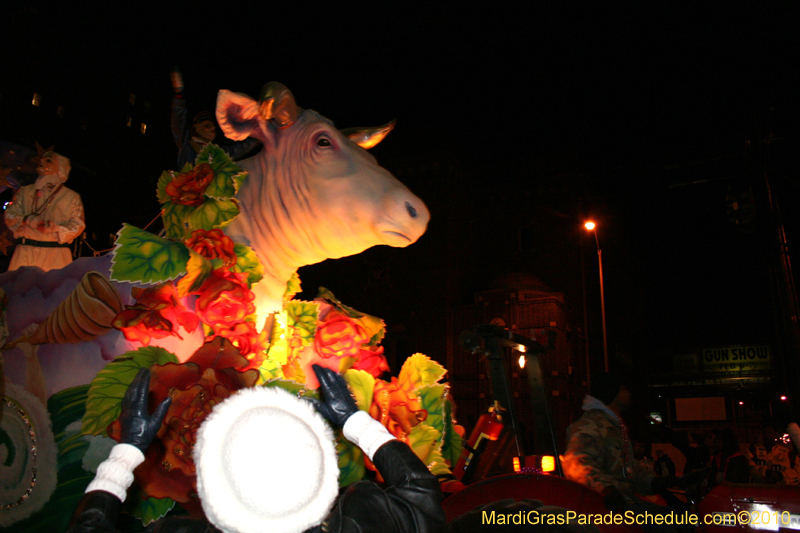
{"type": "Point", "coordinates": [591, 227]}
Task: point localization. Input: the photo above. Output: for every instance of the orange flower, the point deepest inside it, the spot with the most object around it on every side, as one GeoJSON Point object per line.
{"type": "Point", "coordinates": [396, 408]}
{"type": "Point", "coordinates": [155, 314]}
{"type": "Point", "coordinates": [225, 300]}
{"type": "Point", "coordinates": [213, 244]}
{"type": "Point", "coordinates": [372, 361]}
{"type": "Point", "coordinates": [250, 343]}
{"type": "Point", "coordinates": [188, 188]}
{"type": "Point", "coordinates": [339, 336]}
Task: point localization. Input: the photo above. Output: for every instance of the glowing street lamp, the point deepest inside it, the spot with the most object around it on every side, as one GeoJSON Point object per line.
{"type": "Point", "coordinates": [591, 227]}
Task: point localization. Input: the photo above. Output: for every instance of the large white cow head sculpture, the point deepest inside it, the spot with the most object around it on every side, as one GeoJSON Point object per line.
{"type": "Point", "coordinates": [312, 193]}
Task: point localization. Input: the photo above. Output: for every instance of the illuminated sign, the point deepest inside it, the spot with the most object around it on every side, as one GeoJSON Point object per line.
{"type": "Point", "coordinates": [737, 360]}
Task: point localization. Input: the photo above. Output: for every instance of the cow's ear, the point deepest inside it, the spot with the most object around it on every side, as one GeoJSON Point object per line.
{"type": "Point", "coordinates": [237, 115]}
{"type": "Point", "coordinates": [367, 138]}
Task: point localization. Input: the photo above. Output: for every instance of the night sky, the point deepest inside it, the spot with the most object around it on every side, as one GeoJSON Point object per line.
{"type": "Point", "coordinates": [646, 112]}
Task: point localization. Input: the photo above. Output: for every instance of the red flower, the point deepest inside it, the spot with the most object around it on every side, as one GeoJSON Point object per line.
{"type": "Point", "coordinates": [225, 300]}
{"type": "Point", "coordinates": [250, 343]}
{"type": "Point", "coordinates": [339, 336]}
{"type": "Point", "coordinates": [206, 379]}
{"type": "Point", "coordinates": [372, 361]}
{"type": "Point", "coordinates": [213, 244]}
{"type": "Point", "coordinates": [397, 409]}
{"type": "Point", "coordinates": [188, 188]}
{"type": "Point", "coordinates": [155, 314]}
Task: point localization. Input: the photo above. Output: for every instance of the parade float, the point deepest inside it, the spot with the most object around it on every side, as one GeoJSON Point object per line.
{"type": "Point", "coordinates": [210, 307]}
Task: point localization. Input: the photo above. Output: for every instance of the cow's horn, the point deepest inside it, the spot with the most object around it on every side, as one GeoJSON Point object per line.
{"type": "Point", "coordinates": [368, 137]}
{"type": "Point", "coordinates": [276, 102]}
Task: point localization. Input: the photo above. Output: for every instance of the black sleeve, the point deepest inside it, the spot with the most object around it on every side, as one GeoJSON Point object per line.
{"type": "Point", "coordinates": [240, 149]}
{"type": "Point", "coordinates": [738, 470]}
{"type": "Point", "coordinates": [410, 502]}
{"type": "Point", "coordinates": [97, 512]}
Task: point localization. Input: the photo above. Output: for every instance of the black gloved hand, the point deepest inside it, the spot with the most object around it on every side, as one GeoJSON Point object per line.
{"type": "Point", "coordinates": [339, 404]}
{"type": "Point", "coordinates": [660, 484]}
{"type": "Point", "coordinates": [614, 499]}
{"type": "Point", "coordinates": [138, 426]}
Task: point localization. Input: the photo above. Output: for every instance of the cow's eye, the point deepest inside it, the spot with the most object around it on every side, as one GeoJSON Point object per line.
{"type": "Point", "coordinates": [323, 142]}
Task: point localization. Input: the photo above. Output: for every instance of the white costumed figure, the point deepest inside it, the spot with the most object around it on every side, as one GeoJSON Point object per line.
{"type": "Point", "coordinates": [45, 217]}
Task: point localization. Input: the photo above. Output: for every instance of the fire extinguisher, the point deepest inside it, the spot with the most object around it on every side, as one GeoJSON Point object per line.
{"type": "Point", "coordinates": [488, 428]}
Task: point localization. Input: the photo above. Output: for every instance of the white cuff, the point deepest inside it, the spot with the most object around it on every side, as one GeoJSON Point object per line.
{"type": "Point", "coordinates": [115, 474]}
{"type": "Point", "coordinates": [366, 433]}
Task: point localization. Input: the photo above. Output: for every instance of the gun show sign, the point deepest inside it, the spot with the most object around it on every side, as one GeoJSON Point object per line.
{"type": "Point", "coordinates": [737, 361]}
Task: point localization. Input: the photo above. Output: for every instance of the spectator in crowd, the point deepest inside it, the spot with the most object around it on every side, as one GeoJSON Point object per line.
{"type": "Point", "coordinates": [599, 453]}
{"type": "Point", "coordinates": [769, 456]}
{"type": "Point", "coordinates": [728, 462]}
{"type": "Point", "coordinates": [192, 138]}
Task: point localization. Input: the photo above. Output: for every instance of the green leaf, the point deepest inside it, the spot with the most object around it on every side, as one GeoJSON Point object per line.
{"type": "Point", "coordinates": [351, 461]}
{"type": "Point", "coordinates": [268, 371]}
{"type": "Point", "coordinates": [431, 399]}
{"type": "Point", "coordinates": [151, 509]}
{"type": "Point", "coordinates": [140, 256]}
{"type": "Point", "coordinates": [451, 440]}
{"type": "Point", "coordinates": [71, 449]}
{"type": "Point", "coordinates": [339, 306]}
{"type": "Point", "coordinates": [285, 384]}
{"type": "Point", "coordinates": [362, 384]}
{"type": "Point", "coordinates": [108, 387]}
{"type": "Point", "coordinates": [424, 440]}
{"type": "Point", "coordinates": [247, 262]}
{"type": "Point", "coordinates": [292, 286]}
{"type": "Point", "coordinates": [303, 317]}
{"type": "Point", "coordinates": [67, 406]}
{"type": "Point", "coordinates": [213, 214]}
{"type": "Point", "coordinates": [198, 268]}
{"type": "Point", "coordinates": [375, 327]}
{"type": "Point", "coordinates": [228, 176]}
{"type": "Point", "coordinates": [419, 370]}
{"type": "Point", "coordinates": [161, 189]}
{"type": "Point", "coordinates": [175, 219]}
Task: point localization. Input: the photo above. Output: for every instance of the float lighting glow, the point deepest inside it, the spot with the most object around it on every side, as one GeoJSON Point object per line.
{"type": "Point", "coordinates": [548, 463]}
{"type": "Point", "coordinates": [741, 403]}
{"type": "Point", "coordinates": [516, 464]}
{"type": "Point", "coordinates": [522, 361]}
{"type": "Point", "coordinates": [783, 398]}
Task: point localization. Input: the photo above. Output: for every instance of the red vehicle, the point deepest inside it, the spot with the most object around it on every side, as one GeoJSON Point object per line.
{"type": "Point", "coordinates": [732, 507]}
{"type": "Point", "coordinates": [494, 440]}
{"type": "Point", "coordinates": [726, 508]}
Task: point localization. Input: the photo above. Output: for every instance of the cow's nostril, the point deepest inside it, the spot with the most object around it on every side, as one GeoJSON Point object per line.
{"type": "Point", "coordinates": [411, 211]}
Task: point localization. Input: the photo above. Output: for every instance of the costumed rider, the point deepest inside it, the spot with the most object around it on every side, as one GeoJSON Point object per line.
{"type": "Point", "coordinates": [266, 462]}
{"type": "Point", "coordinates": [599, 454]}
{"type": "Point", "coordinates": [45, 217]}
{"type": "Point", "coordinates": [192, 138]}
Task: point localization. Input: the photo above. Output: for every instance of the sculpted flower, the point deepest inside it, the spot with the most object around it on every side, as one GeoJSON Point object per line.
{"type": "Point", "coordinates": [213, 244]}
{"type": "Point", "coordinates": [372, 361]}
{"type": "Point", "coordinates": [339, 336]}
{"type": "Point", "coordinates": [225, 300]}
{"type": "Point", "coordinates": [250, 343]}
{"type": "Point", "coordinates": [196, 386]}
{"type": "Point", "coordinates": [155, 315]}
{"type": "Point", "coordinates": [396, 408]}
{"type": "Point", "coordinates": [188, 188]}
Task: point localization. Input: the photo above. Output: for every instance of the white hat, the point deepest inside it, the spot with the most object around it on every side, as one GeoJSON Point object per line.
{"type": "Point", "coordinates": [266, 461]}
